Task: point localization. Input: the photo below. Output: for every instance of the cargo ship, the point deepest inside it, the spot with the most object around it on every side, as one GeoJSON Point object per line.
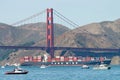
{"type": "Point", "coordinates": [63, 61]}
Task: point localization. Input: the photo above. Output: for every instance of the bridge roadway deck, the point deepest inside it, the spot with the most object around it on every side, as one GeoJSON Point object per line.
{"type": "Point", "coordinates": [59, 48]}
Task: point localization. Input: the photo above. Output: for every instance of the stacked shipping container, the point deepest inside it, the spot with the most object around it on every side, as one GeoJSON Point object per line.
{"type": "Point", "coordinates": [60, 59]}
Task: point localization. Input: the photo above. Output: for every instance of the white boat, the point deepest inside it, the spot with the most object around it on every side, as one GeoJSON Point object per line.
{"type": "Point", "coordinates": [17, 71]}
{"type": "Point", "coordinates": [85, 67]}
{"type": "Point", "coordinates": [43, 66]}
{"type": "Point", "coordinates": [2, 66]}
{"type": "Point", "coordinates": [16, 64]}
{"type": "Point", "coordinates": [101, 67]}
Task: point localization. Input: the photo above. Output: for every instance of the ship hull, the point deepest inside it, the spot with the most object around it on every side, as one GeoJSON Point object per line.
{"type": "Point", "coordinates": [66, 63]}
{"type": "Point", "coordinates": [16, 73]}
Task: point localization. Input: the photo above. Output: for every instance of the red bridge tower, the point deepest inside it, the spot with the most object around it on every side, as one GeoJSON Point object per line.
{"type": "Point", "coordinates": [50, 32]}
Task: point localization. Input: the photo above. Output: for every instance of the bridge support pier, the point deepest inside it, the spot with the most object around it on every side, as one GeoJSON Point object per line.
{"type": "Point", "coordinates": [50, 32]}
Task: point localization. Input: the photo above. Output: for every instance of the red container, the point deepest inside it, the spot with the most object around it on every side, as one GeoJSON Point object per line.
{"type": "Point", "coordinates": [34, 58]}
{"type": "Point", "coordinates": [49, 59]}
{"type": "Point", "coordinates": [75, 59]}
{"type": "Point", "coordinates": [53, 59]}
{"type": "Point", "coordinates": [102, 59]}
{"type": "Point", "coordinates": [30, 58]}
{"type": "Point", "coordinates": [26, 58]}
{"type": "Point", "coordinates": [22, 60]}
{"type": "Point", "coordinates": [88, 58]}
{"type": "Point", "coordinates": [39, 59]}
{"type": "Point", "coordinates": [70, 58]}
{"type": "Point", "coordinates": [66, 59]}
{"type": "Point", "coordinates": [62, 58]}
{"type": "Point", "coordinates": [57, 59]}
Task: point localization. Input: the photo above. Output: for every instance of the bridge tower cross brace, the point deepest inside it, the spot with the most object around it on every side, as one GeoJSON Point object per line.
{"type": "Point", "coordinates": [50, 32]}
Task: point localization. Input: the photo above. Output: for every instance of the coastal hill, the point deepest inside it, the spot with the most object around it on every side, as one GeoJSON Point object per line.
{"type": "Point", "coordinates": [11, 35]}
{"type": "Point", "coordinates": [105, 34]}
{"type": "Point", "coordinates": [27, 35]}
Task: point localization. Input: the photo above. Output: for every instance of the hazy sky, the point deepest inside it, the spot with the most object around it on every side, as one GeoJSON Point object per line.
{"type": "Point", "coordinates": [80, 11]}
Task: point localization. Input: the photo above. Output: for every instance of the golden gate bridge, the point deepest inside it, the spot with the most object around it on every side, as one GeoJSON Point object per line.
{"type": "Point", "coordinates": [50, 48]}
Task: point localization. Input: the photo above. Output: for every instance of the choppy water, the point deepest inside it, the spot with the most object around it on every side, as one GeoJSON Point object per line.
{"type": "Point", "coordinates": [63, 73]}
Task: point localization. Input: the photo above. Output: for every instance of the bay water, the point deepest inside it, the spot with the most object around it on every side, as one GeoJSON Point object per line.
{"type": "Point", "coordinates": [62, 73]}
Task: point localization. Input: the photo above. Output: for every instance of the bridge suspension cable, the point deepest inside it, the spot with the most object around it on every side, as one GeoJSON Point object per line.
{"type": "Point", "coordinates": [26, 19]}
{"type": "Point", "coordinates": [56, 48]}
{"type": "Point", "coordinates": [74, 25]}
{"type": "Point", "coordinates": [59, 15]}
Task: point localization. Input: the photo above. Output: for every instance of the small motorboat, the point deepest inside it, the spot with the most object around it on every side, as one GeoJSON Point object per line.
{"type": "Point", "coordinates": [85, 67]}
{"type": "Point", "coordinates": [101, 67]}
{"type": "Point", "coordinates": [2, 66]}
{"type": "Point", "coordinates": [43, 66]}
{"type": "Point", "coordinates": [17, 71]}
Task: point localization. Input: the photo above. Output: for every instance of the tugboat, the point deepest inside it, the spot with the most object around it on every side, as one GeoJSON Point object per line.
{"type": "Point", "coordinates": [17, 71]}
